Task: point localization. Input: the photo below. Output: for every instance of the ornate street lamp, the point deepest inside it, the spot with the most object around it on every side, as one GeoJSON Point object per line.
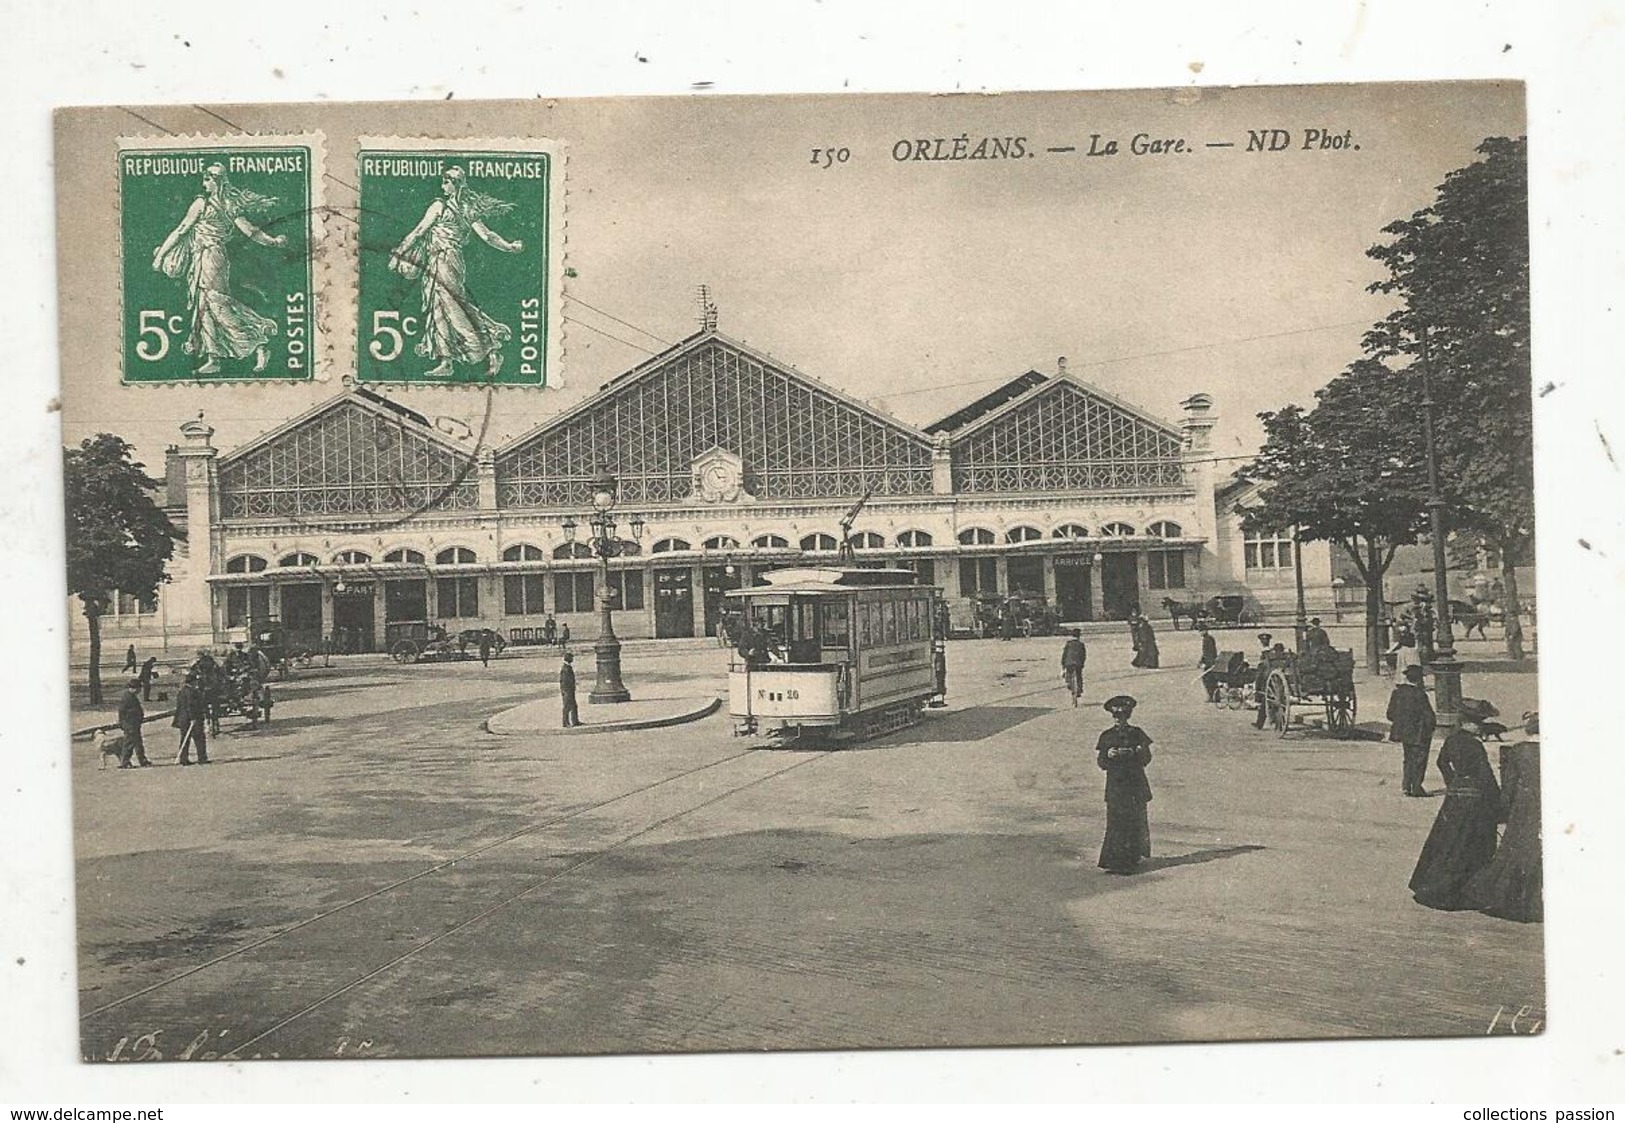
{"type": "Point", "coordinates": [604, 544]}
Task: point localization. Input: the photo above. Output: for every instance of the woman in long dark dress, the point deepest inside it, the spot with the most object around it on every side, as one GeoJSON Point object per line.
{"type": "Point", "coordinates": [1462, 841]}
{"type": "Point", "coordinates": [1512, 885]}
{"type": "Point", "coordinates": [1123, 752]}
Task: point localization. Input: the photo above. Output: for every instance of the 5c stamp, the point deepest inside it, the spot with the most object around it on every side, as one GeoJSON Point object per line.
{"type": "Point", "coordinates": [217, 278]}
{"type": "Point", "coordinates": [460, 267]}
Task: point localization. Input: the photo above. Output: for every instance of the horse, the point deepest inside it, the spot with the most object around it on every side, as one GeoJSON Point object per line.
{"type": "Point", "coordinates": [1195, 611]}
{"type": "Point", "coordinates": [1469, 617]}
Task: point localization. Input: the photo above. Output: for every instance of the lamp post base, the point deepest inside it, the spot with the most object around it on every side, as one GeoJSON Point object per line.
{"type": "Point", "coordinates": [1446, 670]}
{"type": "Point", "coordinates": [608, 687]}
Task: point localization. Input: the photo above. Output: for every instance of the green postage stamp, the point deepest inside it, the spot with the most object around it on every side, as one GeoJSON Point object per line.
{"type": "Point", "coordinates": [461, 262]}
{"type": "Point", "coordinates": [218, 278]}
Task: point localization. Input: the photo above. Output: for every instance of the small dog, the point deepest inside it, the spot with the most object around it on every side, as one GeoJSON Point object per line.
{"type": "Point", "coordinates": [110, 743]}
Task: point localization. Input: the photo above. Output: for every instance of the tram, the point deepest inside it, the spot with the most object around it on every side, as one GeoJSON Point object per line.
{"type": "Point", "coordinates": [837, 654]}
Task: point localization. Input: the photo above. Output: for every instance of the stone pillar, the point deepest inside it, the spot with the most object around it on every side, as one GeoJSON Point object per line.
{"type": "Point", "coordinates": [327, 610]}
{"type": "Point", "coordinates": [1049, 578]}
{"type": "Point", "coordinates": [1001, 580]}
{"type": "Point", "coordinates": [1142, 580]}
{"type": "Point", "coordinates": [942, 466]}
{"type": "Point", "coordinates": [1097, 591]}
{"type": "Point", "coordinates": [1197, 460]}
{"type": "Point", "coordinates": [196, 470]}
{"type": "Point", "coordinates": [486, 467]}
{"type": "Point", "coordinates": [380, 618]}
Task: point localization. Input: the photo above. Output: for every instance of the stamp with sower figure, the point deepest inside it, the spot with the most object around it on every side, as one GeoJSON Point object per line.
{"type": "Point", "coordinates": [217, 236]}
{"type": "Point", "coordinates": [460, 262]}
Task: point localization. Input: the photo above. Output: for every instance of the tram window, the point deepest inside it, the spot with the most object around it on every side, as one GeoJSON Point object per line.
{"type": "Point", "coordinates": [914, 620]}
{"type": "Point", "coordinates": [866, 616]}
{"type": "Point", "coordinates": [836, 626]}
{"type": "Point", "coordinates": [888, 616]}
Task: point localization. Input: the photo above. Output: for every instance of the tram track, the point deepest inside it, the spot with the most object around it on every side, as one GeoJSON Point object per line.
{"type": "Point", "coordinates": [461, 895]}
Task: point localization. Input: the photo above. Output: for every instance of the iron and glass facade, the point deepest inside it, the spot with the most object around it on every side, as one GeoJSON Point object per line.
{"type": "Point", "coordinates": [360, 514]}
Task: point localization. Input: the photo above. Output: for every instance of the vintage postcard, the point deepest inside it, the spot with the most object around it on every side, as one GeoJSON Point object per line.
{"type": "Point", "coordinates": [765, 573]}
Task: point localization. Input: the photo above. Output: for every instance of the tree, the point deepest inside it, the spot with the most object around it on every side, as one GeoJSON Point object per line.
{"type": "Point", "coordinates": [1350, 472]}
{"type": "Point", "coordinates": [1460, 268]}
{"type": "Point", "coordinates": [118, 539]}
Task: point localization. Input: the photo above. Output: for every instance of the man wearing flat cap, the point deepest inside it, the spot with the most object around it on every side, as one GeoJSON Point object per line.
{"type": "Point", "coordinates": [1122, 752]}
{"type": "Point", "coordinates": [1410, 723]}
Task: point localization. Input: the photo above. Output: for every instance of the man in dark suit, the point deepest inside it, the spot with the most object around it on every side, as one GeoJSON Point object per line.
{"type": "Point", "coordinates": [1411, 721]}
{"type": "Point", "coordinates": [130, 716]}
{"type": "Point", "coordinates": [191, 718]}
{"type": "Point", "coordinates": [567, 691]}
{"type": "Point", "coordinates": [148, 669]}
{"type": "Point", "coordinates": [1314, 636]}
{"type": "Point", "coordinates": [1073, 657]}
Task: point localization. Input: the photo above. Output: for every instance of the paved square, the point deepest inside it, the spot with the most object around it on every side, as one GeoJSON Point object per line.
{"type": "Point", "coordinates": [372, 875]}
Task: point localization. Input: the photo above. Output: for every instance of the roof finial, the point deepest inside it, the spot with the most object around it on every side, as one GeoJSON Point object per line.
{"type": "Point", "coordinates": [1060, 366]}
{"type": "Point", "coordinates": [708, 308]}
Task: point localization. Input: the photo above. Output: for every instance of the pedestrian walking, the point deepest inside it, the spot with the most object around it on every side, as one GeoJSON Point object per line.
{"type": "Point", "coordinates": [1210, 648]}
{"type": "Point", "coordinates": [130, 660]}
{"type": "Point", "coordinates": [148, 671]}
{"type": "Point", "coordinates": [564, 635]}
{"type": "Point", "coordinates": [485, 647]}
{"type": "Point", "coordinates": [1146, 655]}
{"type": "Point", "coordinates": [1123, 752]}
{"type": "Point", "coordinates": [1410, 723]}
{"type": "Point", "coordinates": [1261, 675]}
{"type": "Point", "coordinates": [1462, 841]}
{"type": "Point", "coordinates": [1007, 621]}
{"type": "Point", "coordinates": [191, 718]}
{"type": "Point", "coordinates": [567, 691]}
{"type": "Point", "coordinates": [550, 630]}
{"type": "Point", "coordinates": [131, 714]}
{"type": "Point", "coordinates": [263, 696]}
{"type": "Point", "coordinates": [1511, 886]}
{"type": "Point", "coordinates": [1073, 657]}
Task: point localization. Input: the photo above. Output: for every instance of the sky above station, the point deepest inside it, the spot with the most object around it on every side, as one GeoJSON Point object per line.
{"type": "Point", "coordinates": [914, 284]}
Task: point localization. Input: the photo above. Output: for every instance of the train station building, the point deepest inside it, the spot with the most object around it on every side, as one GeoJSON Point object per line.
{"type": "Point", "coordinates": [360, 514]}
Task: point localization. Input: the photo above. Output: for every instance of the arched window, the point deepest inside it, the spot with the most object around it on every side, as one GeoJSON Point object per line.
{"type": "Point", "coordinates": [867, 540]}
{"type": "Point", "coordinates": [524, 551]}
{"type": "Point", "coordinates": [1023, 534]}
{"type": "Point", "coordinates": [1165, 529]}
{"type": "Point", "coordinates": [976, 536]}
{"type": "Point", "coordinates": [299, 558]}
{"type": "Point", "coordinates": [1071, 530]}
{"type": "Point", "coordinates": [455, 555]}
{"type": "Point", "coordinates": [720, 542]}
{"type": "Point", "coordinates": [669, 545]}
{"type": "Point", "coordinates": [913, 539]}
{"type": "Point", "coordinates": [771, 542]}
{"type": "Point", "coordinates": [414, 557]}
{"type": "Point", "coordinates": [1117, 530]}
{"type": "Point", "coordinates": [246, 563]}
{"type": "Point", "coordinates": [816, 543]}
{"type": "Point", "coordinates": [572, 551]}
{"type": "Point", "coordinates": [352, 557]}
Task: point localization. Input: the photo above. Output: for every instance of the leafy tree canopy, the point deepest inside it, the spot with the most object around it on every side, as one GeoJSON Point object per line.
{"type": "Point", "coordinates": [1460, 268]}
{"type": "Point", "coordinates": [1349, 471]}
{"type": "Point", "coordinates": [117, 537]}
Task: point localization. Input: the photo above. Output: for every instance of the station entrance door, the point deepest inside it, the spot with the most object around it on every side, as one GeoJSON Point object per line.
{"type": "Point", "coordinates": [674, 603]}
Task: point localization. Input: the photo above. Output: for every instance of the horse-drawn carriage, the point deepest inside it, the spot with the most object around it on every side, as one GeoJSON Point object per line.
{"type": "Point", "coordinates": [1320, 677]}
{"type": "Point", "coordinates": [1230, 681]}
{"type": "Point", "coordinates": [1228, 610]}
{"type": "Point", "coordinates": [270, 646]}
{"type": "Point", "coordinates": [416, 641]}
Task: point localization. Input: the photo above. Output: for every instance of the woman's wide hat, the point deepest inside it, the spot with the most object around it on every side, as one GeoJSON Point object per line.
{"type": "Point", "coordinates": [1476, 709]}
{"type": "Point", "coordinates": [1119, 705]}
